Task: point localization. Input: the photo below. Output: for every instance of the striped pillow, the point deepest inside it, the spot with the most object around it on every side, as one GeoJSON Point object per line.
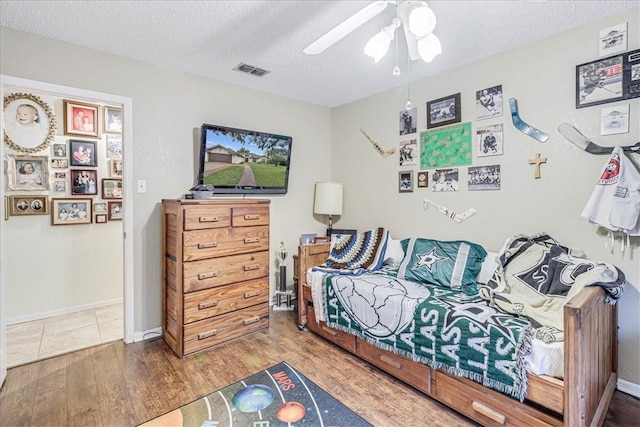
{"type": "Point", "coordinates": [360, 251]}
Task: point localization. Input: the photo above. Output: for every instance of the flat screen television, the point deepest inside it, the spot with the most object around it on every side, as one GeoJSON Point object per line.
{"type": "Point", "coordinates": [240, 161]}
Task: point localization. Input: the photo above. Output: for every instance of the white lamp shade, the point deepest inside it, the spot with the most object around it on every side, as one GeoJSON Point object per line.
{"type": "Point", "coordinates": [328, 198]}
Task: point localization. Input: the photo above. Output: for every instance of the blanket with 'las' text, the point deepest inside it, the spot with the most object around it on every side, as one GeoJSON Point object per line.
{"type": "Point", "coordinates": [443, 328]}
{"type": "Point", "coordinates": [537, 276]}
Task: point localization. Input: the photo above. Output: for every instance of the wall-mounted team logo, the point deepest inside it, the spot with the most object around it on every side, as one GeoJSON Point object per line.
{"type": "Point", "coordinates": [611, 173]}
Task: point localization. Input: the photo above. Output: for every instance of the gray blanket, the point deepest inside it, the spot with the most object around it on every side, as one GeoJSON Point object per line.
{"type": "Point", "coordinates": [537, 276]}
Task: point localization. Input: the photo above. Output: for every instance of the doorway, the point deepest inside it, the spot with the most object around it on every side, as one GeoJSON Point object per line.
{"type": "Point", "coordinates": [63, 260]}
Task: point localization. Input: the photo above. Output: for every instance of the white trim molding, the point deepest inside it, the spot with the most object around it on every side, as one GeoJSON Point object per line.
{"type": "Point", "coordinates": [628, 387]}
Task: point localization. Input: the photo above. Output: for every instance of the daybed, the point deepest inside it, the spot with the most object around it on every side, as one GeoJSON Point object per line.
{"type": "Point", "coordinates": [580, 398]}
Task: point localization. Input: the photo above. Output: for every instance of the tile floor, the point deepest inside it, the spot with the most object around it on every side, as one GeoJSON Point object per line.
{"type": "Point", "coordinates": [40, 339]}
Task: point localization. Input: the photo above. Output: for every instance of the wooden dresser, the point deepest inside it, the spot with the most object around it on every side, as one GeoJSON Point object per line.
{"type": "Point", "coordinates": [215, 271]}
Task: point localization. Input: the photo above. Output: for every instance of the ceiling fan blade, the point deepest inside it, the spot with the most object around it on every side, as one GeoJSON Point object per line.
{"type": "Point", "coordinates": [345, 27]}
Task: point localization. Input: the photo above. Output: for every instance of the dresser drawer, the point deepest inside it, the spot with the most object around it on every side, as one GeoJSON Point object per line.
{"type": "Point", "coordinates": [213, 302]}
{"type": "Point", "coordinates": [208, 332]}
{"type": "Point", "coordinates": [476, 402]}
{"type": "Point", "coordinates": [215, 242]}
{"type": "Point", "coordinates": [344, 340]}
{"type": "Point", "coordinates": [414, 373]}
{"type": "Point", "coordinates": [250, 216]}
{"type": "Point", "coordinates": [213, 272]}
{"type": "Point", "coordinates": [202, 217]}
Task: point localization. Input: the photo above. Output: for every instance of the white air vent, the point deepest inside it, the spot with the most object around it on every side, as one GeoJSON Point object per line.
{"type": "Point", "coordinates": [250, 69]}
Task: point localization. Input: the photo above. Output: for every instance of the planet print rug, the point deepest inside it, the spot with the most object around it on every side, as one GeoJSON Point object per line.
{"type": "Point", "coordinates": [276, 397]}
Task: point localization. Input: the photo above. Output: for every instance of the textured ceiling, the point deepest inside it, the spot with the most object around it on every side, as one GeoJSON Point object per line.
{"type": "Point", "coordinates": [209, 38]}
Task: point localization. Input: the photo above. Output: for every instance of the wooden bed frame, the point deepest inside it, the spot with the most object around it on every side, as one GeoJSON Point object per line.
{"type": "Point", "coordinates": [581, 399]}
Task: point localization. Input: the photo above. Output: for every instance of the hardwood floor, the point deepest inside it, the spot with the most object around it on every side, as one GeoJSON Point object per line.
{"type": "Point", "coordinates": [124, 385]}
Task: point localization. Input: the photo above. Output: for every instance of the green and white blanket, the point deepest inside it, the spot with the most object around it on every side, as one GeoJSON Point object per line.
{"type": "Point", "coordinates": [444, 329]}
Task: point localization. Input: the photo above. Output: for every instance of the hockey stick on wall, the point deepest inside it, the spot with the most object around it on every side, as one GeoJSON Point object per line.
{"type": "Point", "coordinates": [574, 136]}
{"type": "Point", "coordinates": [379, 149]}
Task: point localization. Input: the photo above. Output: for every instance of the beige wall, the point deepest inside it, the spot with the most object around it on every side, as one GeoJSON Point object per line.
{"type": "Point", "coordinates": [541, 77]}
{"type": "Point", "coordinates": [169, 106]}
{"type": "Point", "coordinates": [168, 109]}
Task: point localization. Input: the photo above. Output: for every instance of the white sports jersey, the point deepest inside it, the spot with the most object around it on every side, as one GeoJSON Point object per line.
{"type": "Point", "coordinates": [615, 202]}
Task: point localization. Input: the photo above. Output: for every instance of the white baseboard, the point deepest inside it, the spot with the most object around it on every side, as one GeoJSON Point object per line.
{"type": "Point", "coordinates": [148, 334]}
{"type": "Point", "coordinates": [629, 388]}
{"type": "Point", "coordinates": [61, 311]}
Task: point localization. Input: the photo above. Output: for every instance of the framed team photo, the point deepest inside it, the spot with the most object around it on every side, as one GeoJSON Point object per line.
{"type": "Point", "coordinates": [483, 178]}
{"type": "Point", "coordinates": [444, 111]}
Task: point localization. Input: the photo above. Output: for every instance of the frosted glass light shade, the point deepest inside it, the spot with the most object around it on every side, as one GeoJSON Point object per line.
{"type": "Point", "coordinates": [328, 198]}
{"type": "Point", "coordinates": [377, 46]}
{"type": "Point", "coordinates": [429, 47]}
{"type": "Point", "coordinates": [422, 21]}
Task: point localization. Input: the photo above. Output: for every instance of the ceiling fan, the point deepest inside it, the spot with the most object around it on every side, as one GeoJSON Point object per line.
{"type": "Point", "coordinates": [416, 18]}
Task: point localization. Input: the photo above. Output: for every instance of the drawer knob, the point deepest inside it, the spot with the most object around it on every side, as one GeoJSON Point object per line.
{"type": "Point", "coordinates": [251, 267]}
{"type": "Point", "coordinates": [251, 294]}
{"type": "Point", "coordinates": [208, 304]}
{"type": "Point", "coordinates": [251, 320]}
{"type": "Point", "coordinates": [252, 240]}
{"type": "Point", "coordinates": [251, 217]}
{"type": "Point", "coordinates": [203, 276]}
{"type": "Point", "coordinates": [209, 334]}
{"type": "Point", "coordinates": [389, 361]}
{"type": "Point", "coordinates": [207, 245]}
{"type": "Point", "coordinates": [488, 412]}
{"type": "Point", "coordinates": [209, 219]}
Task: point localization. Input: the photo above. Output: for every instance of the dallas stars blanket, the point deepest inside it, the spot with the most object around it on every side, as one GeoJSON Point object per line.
{"type": "Point", "coordinates": [537, 276]}
{"type": "Point", "coordinates": [442, 328]}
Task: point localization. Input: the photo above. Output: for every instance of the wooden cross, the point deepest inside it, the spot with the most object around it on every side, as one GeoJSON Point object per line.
{"type": "Point", "coordinates": [537, 161]}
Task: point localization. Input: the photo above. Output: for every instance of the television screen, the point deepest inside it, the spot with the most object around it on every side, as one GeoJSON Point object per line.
{"type": "Point", "coordinates": [244, 161]}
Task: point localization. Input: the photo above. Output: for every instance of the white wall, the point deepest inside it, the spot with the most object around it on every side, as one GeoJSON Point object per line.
{"type": "Point", "coordinates": [168, 109]}
{"type": "Point", "coordinates": [541, 77]}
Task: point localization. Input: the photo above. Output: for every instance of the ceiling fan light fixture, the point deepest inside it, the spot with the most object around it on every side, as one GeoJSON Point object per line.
{"type": "Point", "coordinates": [429, 47]}
{"type": "Point", "coordinates": [378, 45]}
{"type": "Point", "coordinates": [422, 20]}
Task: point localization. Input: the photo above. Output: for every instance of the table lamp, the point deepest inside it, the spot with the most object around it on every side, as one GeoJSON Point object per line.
{"type": "Point", "coordinates": [328, 201]}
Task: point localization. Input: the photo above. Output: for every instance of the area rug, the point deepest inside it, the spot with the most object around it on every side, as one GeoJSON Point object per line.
{"type": "Point", "coordinates": [277, 396]}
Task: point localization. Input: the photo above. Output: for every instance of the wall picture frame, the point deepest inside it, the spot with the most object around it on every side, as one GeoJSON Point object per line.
{"type": "Point", "coordinates": [81, 119]}
{"type": "Point", "coordinates": [29, 122]}
{"type": "Point", "coordinates": [101, 219]}
{"type": "Point", "coordinates": [114, 146]}
{"type": "Point", "coordinates": [111, 188]}
{"type": "Point", "coordinates": [405, 181]}
{"type": "Point", "coordinates": [444, 111]}
{"type": "Point", "coordinates": [84, 182]}
{"type": "Point", "coordinates": [27, 173]}
{"type": "Point", "coordinates": [112, 119]}
{"type": "Point", "coordinates": [28, 205]}
{"type": "Point", "coordinates": [114, 212]}
{"type": "Point", "coordinates": [83, 153]}
{"type": "Point", "coordinates": [599, 81]}
{"type": "Point", "coordinates": [59, 150]}
{"type": "Point", "coordinates": [115, 168]}
{"type": "Point", "coordinates": [423, 179]}
{"type": "Point", "coordinates": [100, 207]}
{"type": "Point", "coordinates": [71, 211]}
